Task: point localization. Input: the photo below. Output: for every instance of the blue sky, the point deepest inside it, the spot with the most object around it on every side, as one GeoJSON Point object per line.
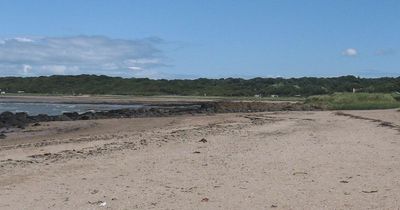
{"type": "Point", "coordinates": [207, 38]}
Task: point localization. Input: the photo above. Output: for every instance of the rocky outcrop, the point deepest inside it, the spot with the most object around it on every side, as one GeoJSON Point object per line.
{"type": "Point", "coordinates": [21, 120]}
{"type": "Point", "coordinates": [9, 119]}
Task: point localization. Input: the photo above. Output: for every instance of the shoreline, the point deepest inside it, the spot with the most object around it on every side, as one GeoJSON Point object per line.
{"type": "Point", "coordinates": [22, 119]}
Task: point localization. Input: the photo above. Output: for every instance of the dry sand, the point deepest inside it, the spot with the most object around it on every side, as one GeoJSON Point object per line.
{"type": "Point", "coordinates": [282, 160]}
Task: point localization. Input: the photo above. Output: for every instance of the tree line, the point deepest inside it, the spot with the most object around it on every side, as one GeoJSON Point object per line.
{"type": "Point", "coordinates": [94, 84]}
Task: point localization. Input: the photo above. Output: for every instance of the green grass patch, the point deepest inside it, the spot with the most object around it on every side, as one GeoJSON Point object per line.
{"type": "Point", "coordinates": [355, 101]}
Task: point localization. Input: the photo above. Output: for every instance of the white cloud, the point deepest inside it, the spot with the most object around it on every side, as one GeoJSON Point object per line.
{"type": "Point", "coordinates": [143, 61]}
{"type": "Point", "coordinates": [135, 68]}
{"type": "Point", "coordinates": [79, 55]}
{"type": "Point", "coordinates": [23, 39]}
{"type": "Point", "coordinates": [350, 52]}
{"type": "Point", "coordinates": [26, 68]}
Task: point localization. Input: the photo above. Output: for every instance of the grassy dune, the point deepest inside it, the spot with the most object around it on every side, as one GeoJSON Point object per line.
{"type": "Point", "coordinates": [356, 101]}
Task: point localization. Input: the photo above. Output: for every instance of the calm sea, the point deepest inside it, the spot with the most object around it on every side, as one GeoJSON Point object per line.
{"type": "Point", "coordinates": [57, 109]}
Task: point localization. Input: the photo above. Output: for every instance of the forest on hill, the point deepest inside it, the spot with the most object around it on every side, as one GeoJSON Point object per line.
{"type": "Point", "coordinates": [93, 84]}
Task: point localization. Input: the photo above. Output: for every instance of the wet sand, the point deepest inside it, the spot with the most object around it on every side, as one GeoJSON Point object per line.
{"type": "Point", "coordinates": [269, 160]}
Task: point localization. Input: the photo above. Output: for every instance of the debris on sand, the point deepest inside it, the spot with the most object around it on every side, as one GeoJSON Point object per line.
{"type": "Point", "coordinates": [381, 122]}
{"type": "Point", "coordinates": [196, 152]}
{"type": "Point", "coordinates": [143, 142]}
{"type": "Point", "coordinates": [370, 191]}
{"type": "Point", "coordinates": [344, 181]}
{"type": "Point", "coordinates": [99, 203]}
{"type": "Point", "coordinates": [94, 192]}
{"type": "Point", "coordinates": [205, 200]}
{"type": "Point", "coordinates": [273, 206]}
{"type": "Point", "coordinates": [300, 173]}
{"type": "Point", "coordinates": [203, 140]}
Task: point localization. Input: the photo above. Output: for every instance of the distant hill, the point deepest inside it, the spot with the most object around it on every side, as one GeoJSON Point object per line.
{"type": "Point", "coordinates": [93, 84]}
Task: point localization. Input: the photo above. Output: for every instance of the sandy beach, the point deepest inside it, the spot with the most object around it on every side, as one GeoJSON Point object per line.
{"type": "Point", "coordinates": [268, 160]}
{"type": "Point", "coordinates": [200, 105]}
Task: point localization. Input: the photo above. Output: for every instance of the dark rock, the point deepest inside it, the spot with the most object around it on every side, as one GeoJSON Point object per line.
{"type": "Point", "coordinates": [71, 115]}
{"type": "Point", "coordinates": [7, 115]}
{"type": "Point", "coordinates": [43, 118]}
{"type": "Point", "coordinates": [21, 116]}
{"type": "Point", "coordinates": [87, 116]}
{"type": "Point", "coordinates": [63, 118]}
{"type": "Point", "coordinates": [9, 119]}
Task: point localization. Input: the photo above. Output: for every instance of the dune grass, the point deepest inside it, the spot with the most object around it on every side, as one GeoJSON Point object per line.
{"type": "Point", "coordinates": [355, 101]}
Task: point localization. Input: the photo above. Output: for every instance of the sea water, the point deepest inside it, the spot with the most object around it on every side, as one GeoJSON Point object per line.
{"type": "Point", "coordinates": [58, 109]}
